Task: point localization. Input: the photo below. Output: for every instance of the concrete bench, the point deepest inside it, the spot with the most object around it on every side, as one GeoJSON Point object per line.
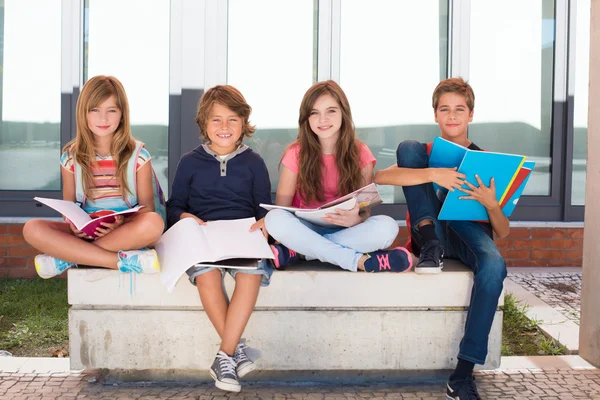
{"type": "Point", "coordinates": [313, 317]}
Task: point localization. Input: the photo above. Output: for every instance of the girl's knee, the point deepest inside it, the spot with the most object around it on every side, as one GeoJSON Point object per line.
{"type": "Point", "coordinates": [32, 228]}
{"type": "Point", "coordinates": [151, 224]}
{"type": "Point", "coordinates": [275, 220]}
{"type": "Point", "coordinates": [386, 226]}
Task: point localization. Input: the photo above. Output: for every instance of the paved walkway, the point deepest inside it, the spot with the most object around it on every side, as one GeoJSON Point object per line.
{"type": "Point", "coordinates": [553, 297]}
{"type": "Point", "coordinates": [508, 384]}
{"type": "Point", "coordinates": [565, 377]}
{"type": "Point", "coordinates": [560, 290]}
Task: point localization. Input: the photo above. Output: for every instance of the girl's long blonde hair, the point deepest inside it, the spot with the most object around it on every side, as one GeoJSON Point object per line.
{"type": "Point", "coordinates": [94, 92]}
{"type": "Point", "coordinates": [347, 154]}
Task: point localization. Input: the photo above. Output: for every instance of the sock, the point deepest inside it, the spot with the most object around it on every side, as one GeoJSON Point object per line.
{"type": "Point", "coordinates": [428, 233]}
{"type": "Point", "coordinates": [463, 370]}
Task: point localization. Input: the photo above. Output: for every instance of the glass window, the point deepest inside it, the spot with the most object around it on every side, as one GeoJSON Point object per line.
{"type": "Point", "coordinates": [271, 60]}
{"type": "Point", "coordinates": [580, 116]}
{"type": "Point", "coordinates": [139, 57]}
{"type": "Point", "coordinates": [30, 88]}
{"type": "Point", "coordinates": [393, 54]}
{"type": "Point", "coordinates": [511, 71]}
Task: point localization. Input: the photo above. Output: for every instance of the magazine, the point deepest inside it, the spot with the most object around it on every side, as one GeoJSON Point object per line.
{"type": "Point", "coordinates": [83, 221]}
{"type": "Point", "coordinates": [187, 243]}
{"type": "Point", "coordinates": [366, 197]}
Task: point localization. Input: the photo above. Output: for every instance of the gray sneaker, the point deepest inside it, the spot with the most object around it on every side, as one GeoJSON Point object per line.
{"type": "Point", "coordinates": [223, 372]}
{"type": "Point", "coordinates": [244, 364]}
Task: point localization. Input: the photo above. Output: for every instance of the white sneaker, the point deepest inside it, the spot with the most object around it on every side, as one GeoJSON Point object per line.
{"type": "Point", "coordinates": [49, 267]}
{"type": "Point", "coordinates": [139, 261]}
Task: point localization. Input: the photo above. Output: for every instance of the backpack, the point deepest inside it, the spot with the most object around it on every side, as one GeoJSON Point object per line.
{"type": "Point", "coordinates": [160, 205]}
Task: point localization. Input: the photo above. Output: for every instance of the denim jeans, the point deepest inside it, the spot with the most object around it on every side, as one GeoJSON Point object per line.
{"type": "Point", "coordinates": [340, 246]}
{"type": "Point", "coordinates": [466, 241]}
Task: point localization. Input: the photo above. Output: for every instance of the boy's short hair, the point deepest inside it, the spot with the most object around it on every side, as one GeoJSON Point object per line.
{"type": "Point", "coordinates": [454, 85]}
{"type": "Point", "coordinates": [230, 97]}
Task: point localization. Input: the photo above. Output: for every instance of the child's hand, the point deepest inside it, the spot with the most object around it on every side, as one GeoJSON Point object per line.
{"type": "Point", "coordinates": [448, 178]}
{"type": "Point", "coordinates": [346, 218]}
{"type": "Point", "coordinates": [190, 215]}
{"type": "Point", "coordinates": [76, 231]}
{"type": "Point", "coordinates": [486, 196]}
{"type": "Point", "coordinates": [105, 228]}
{"type": "Point", "coordinates": [260, 224]}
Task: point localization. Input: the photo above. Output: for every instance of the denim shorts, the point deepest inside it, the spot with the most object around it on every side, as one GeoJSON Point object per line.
{"type": "Point", "coordinates": [265, 269]}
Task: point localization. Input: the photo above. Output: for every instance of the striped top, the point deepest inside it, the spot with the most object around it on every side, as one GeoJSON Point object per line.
{"type": "Point", "coordinates": [106, 195]}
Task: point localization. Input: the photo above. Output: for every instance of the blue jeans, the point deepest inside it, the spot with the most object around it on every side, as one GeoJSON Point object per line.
{"type": "Point", "coordinates": [466, 241]}
{"type": "Point", "coordinates": [340, 246]}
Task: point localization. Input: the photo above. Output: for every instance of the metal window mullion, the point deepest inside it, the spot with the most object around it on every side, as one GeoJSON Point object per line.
{"type": "Point", "coordinates": [215, 43]}
{"type": "Point", "coordinates": [570, 212]}
{"type": "Point", "coordinates": [459, 35]}
{"type": "Point", "coordinates": [324, 40]}
{"type": "Point", "coordinates": [336, 39]}
{"type": "Point", "coordinates": [559, 155]}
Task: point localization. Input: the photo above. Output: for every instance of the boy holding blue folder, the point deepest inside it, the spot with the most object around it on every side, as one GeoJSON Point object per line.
{"type": "Point", "coordinates": [468, 241]}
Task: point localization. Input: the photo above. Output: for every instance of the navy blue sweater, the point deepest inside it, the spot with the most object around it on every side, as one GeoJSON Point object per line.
{"type": "Point", "coordinates": [214, 189]}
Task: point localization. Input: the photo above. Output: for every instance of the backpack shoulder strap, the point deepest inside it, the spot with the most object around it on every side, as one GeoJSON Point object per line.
{"type": "Point", "coordinates": [131, 198]}
{"type": "Point", "coordinates": [429, 147]}
{"type": "Point", "coordinates": [79, 192]}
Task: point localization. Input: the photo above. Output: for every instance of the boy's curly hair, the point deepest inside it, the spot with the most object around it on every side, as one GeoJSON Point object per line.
{"type": "Point", "coordinates": [454, 85]}
{"type": "Point", "coordinates": [227, 96]}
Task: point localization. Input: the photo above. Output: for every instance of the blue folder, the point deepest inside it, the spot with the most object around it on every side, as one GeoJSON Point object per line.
{"type": "Point", "coordinates": [510, 171]}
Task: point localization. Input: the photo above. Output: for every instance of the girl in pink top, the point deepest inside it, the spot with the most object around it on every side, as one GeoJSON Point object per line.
{"type": "Point", "coordinates": [326, 162]}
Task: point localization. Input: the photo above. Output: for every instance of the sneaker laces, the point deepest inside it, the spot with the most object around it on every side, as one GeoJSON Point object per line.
{"type": "Point", "coordinates": [384, 261]}
{"type": "Point", "coordinates": [471, 388]}
{"type": "Point", "coordinates": [431, 252]}
{"type": "Point", "coordinates": [226, 364]}
{"type": "Point", "coordinates": [61, 265]}
{"type": "Point", "coordinates": [239, 355]}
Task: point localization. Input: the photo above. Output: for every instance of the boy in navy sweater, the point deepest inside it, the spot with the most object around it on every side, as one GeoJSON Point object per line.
{"type": "Point", "coordinates": [224, 179]}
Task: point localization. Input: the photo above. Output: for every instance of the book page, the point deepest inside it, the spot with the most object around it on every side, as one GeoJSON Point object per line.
{"type": "Point", "coordinates": [180, 247]}
{"type": "Point", "coordinates": [366, 196]}
{"type": "Point", "coordinates": [314, 216]}
{"type": "Point", "coordinates": [233, 239]}
{"type": "Point", "coordinates": [69, 209]}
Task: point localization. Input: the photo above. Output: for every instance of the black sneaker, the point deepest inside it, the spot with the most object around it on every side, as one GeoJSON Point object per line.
{"type": "Point", "coordinates": [223, 372]}
{"type": "Point", "coordinates": [464, 389]}
{"type": "Point", "coordinates": [430, 260]}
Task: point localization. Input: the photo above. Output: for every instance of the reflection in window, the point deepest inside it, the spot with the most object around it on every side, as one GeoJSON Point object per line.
{"type": "Point", "coordinates": [393, 54]}
{"type": "Point", "coordinates": [513, 108]}
{"type": "Point", "coordinates": [270, 59]}
{"type": "Point", "coordinates": [30, 59]}
{"type": "Point", "coordinates": [580, 117]}
{"type": "Point", "coordinates": [140, 60]}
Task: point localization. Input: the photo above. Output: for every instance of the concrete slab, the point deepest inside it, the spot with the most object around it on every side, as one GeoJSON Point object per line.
{"type": "Point", "coordinates": [307, 285]}
{"type": "Point", "coordinates": [184, 340]}
{"type": "Point", "coordinates": [544, 362]}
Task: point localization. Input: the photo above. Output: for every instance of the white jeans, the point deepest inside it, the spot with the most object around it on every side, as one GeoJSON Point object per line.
{"type": "Point", "coordinates": [339, 246]}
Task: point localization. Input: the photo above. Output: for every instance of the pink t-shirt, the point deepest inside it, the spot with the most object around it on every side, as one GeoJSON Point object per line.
{"type": "Point", "coordinates": [329, 171]}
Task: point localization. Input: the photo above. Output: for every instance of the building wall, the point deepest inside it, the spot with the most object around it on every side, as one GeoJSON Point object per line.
{"type": "Point", "coordinates": [524, 247]}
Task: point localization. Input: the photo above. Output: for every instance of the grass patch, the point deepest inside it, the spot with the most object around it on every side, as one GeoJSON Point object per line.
{"type": "Point", "coordinates": [33, 316]}
{"type": "Point", "coordinates": [522, 336]}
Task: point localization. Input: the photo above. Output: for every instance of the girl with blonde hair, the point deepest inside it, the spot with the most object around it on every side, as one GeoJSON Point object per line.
{"type": "Point", "coordinates": [94, 173]}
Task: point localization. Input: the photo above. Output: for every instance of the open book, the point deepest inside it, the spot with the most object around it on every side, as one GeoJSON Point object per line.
{"type": "Point", "coordinates": [188, 243]}
{"type": "Point", "coordinates": [510, 172]}
{"type": "Point", "coordinates": [83, 221]}
{"type": "Point", "coordinates": [367, 196]}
